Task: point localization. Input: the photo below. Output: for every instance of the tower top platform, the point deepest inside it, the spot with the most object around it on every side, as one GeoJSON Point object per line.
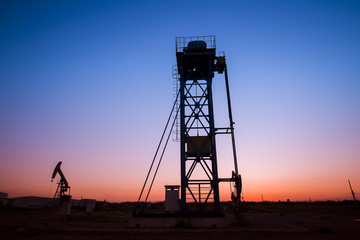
{"type": "Point", "coordinates": [195, 57]}
{"type": "Point", "coordinates": [198, 43]}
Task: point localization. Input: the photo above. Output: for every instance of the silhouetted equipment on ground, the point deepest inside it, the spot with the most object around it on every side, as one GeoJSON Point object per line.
{"type": "Point", "coordinates": [63, 186]}
{"type": "Point", "coordinates": [172, 198]}
{"type": "Point", "coordinates": [199, 191]}
{"type": "Point", "coordinates": [352, 192]}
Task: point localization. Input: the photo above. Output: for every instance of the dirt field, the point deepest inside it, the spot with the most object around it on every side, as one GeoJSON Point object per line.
{"type": "Point", "coordinates": [323, 220]}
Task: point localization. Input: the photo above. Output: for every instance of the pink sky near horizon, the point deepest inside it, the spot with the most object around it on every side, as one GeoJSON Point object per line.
{"type": "Point", "coordinates": [120, 184]}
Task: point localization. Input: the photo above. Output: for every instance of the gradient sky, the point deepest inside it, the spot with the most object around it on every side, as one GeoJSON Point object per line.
{"type": "Point", "coordinates": [89, 83]}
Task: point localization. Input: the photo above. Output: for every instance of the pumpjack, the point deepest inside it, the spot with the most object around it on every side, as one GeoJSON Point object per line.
{"type": "Point", "coordinates": [63, 186]}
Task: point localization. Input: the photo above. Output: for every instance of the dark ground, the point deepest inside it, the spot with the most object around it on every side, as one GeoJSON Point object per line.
{"type": "Point", "coordinates": [319, 220]}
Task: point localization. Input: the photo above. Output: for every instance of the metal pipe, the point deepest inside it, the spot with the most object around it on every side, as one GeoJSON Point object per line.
{"type": "Point", "coordinates": [231, 122]}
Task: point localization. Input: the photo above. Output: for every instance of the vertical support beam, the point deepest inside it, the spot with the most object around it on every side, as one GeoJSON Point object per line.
{"type": "Point", "coordinates": [238, 182]}
{"type": "Point", "coordinates": [215, 180]}
{"type": "Point", "coordinates": [231, 122]}
{"type": "Point", "coordinates": [199, 192]}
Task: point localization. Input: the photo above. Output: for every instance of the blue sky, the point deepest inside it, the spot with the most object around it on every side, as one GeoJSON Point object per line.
{"type": "Point", "coordinates": [89, 83]}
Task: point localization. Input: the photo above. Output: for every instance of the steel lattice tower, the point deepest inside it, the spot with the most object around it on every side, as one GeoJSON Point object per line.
{"type": "Point", "coordinates": [196, 64]}
{"type": "Point", "coordinates": [199, 173]}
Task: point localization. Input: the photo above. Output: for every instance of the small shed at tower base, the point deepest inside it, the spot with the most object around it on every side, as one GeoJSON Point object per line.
{"type": "Point", "coordinates": [172, 198]}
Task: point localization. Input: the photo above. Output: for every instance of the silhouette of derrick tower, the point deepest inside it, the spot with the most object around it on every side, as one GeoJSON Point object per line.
{"type": "Point", "coordinates": [196, 64]}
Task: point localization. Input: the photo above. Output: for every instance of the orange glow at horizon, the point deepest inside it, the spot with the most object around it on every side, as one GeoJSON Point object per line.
{"type": "Point", "coordinates": [121, 194]}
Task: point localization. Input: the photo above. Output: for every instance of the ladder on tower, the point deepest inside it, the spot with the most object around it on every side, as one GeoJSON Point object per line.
{"type": "Point", "coordinates": [176, 130]}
